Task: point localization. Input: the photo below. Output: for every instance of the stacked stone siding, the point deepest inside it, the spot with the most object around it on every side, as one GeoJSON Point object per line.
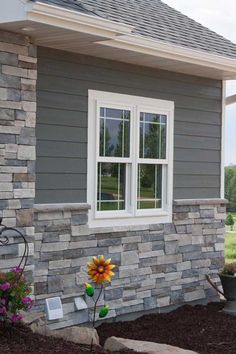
{"type": "Point", "coordinates": [18, 71]}
{"type": "Point", "coordinates": [158, 265]}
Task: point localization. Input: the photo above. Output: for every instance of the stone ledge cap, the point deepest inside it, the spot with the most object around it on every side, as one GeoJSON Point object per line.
{"type": "Point", "coordinates": [47, 208]}
{"type": "Point", "coordinates": [212, 201]}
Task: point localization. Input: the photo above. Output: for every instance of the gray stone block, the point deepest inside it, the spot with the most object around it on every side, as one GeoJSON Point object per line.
{"type": "Point", "coordinates": [171, 247]}
{"type": "Point", "coordinates": [109, 242]}
{"type": "Point", "coordinates": [10, 81]}
{"type": "Point", "coordinates": [207, 213]}
{"type": "Point", "coordinates": [55, 284]}
{"type": "Point", "coordinates": [79, 219]}
{"type": "Point", "coordinates": [40, 288]}
{"type": "Point", "coordinates": [76, 253]}
{"type": "Point", "coordinates": [169, 229]}
{"type": "Point", "coordinates": [129, 258]}
{"type": "Point", "coordinates": [189, 256]}
{"type": "Point", "coordinates": [150, 303]}
{"type": "Point", "coordinates": [113, 294]}
{"type": "Point", "coordinates": [130, 247]}
{"type": "Point", "coordinates": [6, 115]}
{"type": "Point", "coordinates": [156, 227]}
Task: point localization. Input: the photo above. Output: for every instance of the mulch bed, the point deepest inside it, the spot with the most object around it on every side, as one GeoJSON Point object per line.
{"type": "Point", "coordinates": [204, 329]}
{"type": "Point", "coordinates": [20, 340]}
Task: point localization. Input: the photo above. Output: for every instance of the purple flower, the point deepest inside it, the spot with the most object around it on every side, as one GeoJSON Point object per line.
{"type": "Point", "coordinates": [16, 318]}
{"type": "Point", "coordinates": [16, 269]}
{"type": "Point", "coordinates": [27, 301]}
{"type": "Point", "coordinates": [3, 310]}
{"type": "Point", "coordinates": [3, 301]}
{"type": "Point", "coordinates": [5, 286]}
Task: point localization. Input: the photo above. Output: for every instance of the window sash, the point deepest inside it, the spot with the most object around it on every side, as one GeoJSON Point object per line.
{"type": "Point", "coordinates": [132, 162]}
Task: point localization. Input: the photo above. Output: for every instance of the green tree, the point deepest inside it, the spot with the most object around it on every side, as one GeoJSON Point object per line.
{"type": "Point", "coordinates": [230, 187]}
{"type": "Point", "coordinates": [230, 221]}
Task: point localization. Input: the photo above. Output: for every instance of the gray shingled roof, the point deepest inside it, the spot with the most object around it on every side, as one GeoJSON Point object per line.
{"type": "Point", "coordinates": [154, 19]}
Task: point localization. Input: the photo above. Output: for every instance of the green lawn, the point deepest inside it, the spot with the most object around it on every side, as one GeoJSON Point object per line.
{"type": "Point", "coordinates": [230, 247]}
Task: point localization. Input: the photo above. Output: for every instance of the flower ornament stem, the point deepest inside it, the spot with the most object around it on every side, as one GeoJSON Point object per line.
{"type": "Point", "coordinates": [95, 305]}
{"type": "Point", "coordinates": [99, 271]}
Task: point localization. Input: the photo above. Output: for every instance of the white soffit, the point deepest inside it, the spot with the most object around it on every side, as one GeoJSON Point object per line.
{"type": "Point", "coordinates": [59, 28]}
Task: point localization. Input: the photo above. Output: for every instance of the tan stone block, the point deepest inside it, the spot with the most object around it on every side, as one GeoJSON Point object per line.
{"type": "Point", "coordinates": [24, 217]}
{"type": "Point", "coordinates": [27, 59]}
{"type": "Point", "coordinates": [29, 106]}
{"type": "Point", "coordinates": [13, 48]}
{"type": "Point", "coordinates": [14, 71]}
{"type": "Point", "coordinates": [24, 193]}
{"type": "Point", "coordinates": [10, 104]}
{"type": "Point", "coordinates": [26, 152]}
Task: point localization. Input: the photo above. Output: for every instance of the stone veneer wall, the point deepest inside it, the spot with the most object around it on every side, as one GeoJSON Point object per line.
{"type": "Point", "coordinates": [18, 72]}
{"type": "Point", "coordinates": [158, 265]}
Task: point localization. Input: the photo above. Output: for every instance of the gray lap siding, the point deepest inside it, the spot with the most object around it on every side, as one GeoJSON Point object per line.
{"type": "Point", "coordinates": [62, 104]}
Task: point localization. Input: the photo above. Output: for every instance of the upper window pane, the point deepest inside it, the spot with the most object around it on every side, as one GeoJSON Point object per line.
{"type": "Point", "coordinates": [114, 132]}
{"type": "Point", "coordinates": [152, 136]}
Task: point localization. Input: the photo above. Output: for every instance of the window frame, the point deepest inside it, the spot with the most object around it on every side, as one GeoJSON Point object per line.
{"type": "Point", "coordinates": [135, 104]}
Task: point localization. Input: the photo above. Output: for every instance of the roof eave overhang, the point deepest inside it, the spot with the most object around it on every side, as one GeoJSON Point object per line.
{"type": "Point", "coordinates": [68, 19]}
{"type": "Point", "coordinates": [108, 37]}
{"type": "Point", "coordinates": [173, 52]}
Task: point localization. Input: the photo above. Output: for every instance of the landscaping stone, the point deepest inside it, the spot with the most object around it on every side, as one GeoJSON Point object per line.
{"type": "Point", "coordinates": [81, 335]}
{"type": "Point", "coordinates": [115, 344]}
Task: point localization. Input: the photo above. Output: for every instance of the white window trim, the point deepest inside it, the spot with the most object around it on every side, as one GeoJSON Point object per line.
{"type": "Point", "coordinates": [124, 218]}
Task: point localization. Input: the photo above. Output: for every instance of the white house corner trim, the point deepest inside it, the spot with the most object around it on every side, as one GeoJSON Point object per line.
{"type": "Point", "coordinates": [222, 177]}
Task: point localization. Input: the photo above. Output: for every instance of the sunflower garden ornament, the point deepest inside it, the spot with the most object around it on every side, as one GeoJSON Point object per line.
{"type": "Point", "coordinates": [100, 272]}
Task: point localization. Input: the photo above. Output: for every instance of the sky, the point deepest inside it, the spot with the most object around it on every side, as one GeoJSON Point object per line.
{"type": "Point", "coordinates": [220, 16]}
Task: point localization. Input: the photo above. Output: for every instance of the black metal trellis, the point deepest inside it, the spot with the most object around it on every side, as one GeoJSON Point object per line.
{"type": "Point", "coordinates": [24, 258]}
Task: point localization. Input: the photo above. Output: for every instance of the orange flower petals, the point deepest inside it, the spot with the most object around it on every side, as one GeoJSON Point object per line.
{"type": "Point", "coordinates": [99, 270]}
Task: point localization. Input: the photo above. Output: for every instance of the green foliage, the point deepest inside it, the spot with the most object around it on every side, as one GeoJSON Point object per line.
{"type": "Point", "coordinates": [89, 289]}
{"type": "Point", "coordinates": [104, 311]}
{"type": "Point", "coordinates": [230, 221]}
{"type": "Point", "coordinates": [230, 247]}
{"type": "Point", "coordinates": [230, 186]}
{"type": "Point", "coordinates": [14, 294]}
{"type": "Point", "coordinates": [229, 269]}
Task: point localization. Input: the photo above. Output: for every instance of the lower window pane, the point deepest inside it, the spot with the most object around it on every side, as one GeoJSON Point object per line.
{"type": "Point", "coordinates": [149, 186]}
{"type": "Point", "coordinates": [111, 186]}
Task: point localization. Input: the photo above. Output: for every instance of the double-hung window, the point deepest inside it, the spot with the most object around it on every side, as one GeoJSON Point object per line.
{"type": "Point", "coordinates": [130, 159]}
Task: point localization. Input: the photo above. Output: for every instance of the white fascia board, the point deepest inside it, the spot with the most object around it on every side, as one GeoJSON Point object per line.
{"type": "Point", "coordinates": [171, 51]}
{"type": "Point", "coordinates": [230, 100]}
{"type": "Point", "coordinates": [63, 18]}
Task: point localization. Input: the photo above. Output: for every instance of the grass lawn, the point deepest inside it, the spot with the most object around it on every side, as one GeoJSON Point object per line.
{"type": "Point", "coordinates": [230, 247]}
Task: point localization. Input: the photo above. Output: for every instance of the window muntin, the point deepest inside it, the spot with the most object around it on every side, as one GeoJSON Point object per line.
{"type": "Point", "coordinates": [132, 204]}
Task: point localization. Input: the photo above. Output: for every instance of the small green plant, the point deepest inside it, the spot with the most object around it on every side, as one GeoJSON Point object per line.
{"type": "Point", "coordinates": [14, 295]}
{"type": "Point", "coordinates": [230, 221]}
{"type": "Point", "coordinates": [229, 269]}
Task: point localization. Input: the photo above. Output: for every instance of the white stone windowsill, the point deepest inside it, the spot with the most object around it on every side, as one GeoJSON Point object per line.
{"type": "Point", "coordinates": [46, 208]}
{"type": "Point", "coordinates": [210, 201]}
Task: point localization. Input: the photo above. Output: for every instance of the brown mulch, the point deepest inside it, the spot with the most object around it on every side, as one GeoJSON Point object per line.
{"type": "Point", "coordinates": [21, 340]}
{"type": "Point", "coordinates": [204, 329]}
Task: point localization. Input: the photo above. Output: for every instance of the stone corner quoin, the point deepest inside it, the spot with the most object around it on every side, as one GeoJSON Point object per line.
{"type": "Point", "coordinates": [18, 73]}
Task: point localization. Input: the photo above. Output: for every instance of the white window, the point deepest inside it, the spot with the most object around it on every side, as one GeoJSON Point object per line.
{"type": "Point", "coordinates": [130, 159]}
